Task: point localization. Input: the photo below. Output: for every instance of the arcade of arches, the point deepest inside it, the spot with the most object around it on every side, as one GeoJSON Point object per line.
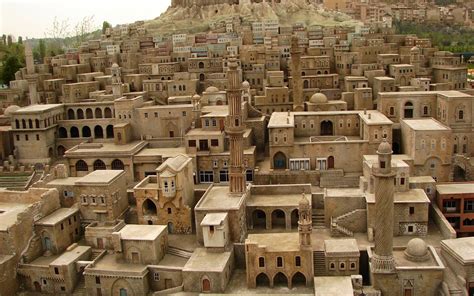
{"type": "Point", "coordinates": [273, 218]}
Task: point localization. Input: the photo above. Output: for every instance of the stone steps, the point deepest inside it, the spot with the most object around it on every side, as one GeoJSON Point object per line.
{"type": "Point", "coordinates": [179, 252]}
{"type": "Point", "coordinates": [319, 263]}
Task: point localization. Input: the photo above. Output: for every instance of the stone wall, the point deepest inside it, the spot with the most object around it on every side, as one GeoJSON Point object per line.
{"type": "Point", "coordinates": [166, 278]}
{"type": "Point", "coordinates": [445, 228]}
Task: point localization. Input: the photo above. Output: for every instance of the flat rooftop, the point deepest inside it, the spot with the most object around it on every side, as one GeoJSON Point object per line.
{"type": "Point", "coordinates": [57, 216]}
{"type": "Point", "coordinates": [281, 200]}
{"type": "Point", "coordinates": [219, 198]}
{"type": "Point", "coordinates": [213, 219]}
{"type": "Point", "coordinates": [455, 188]}
{"type": "Point", "coordinates": [163, 152]}
{"type": "Point", "coordinates": [410, 196]}
{"type": "Point", "coordinates": [344, 247]}
{"type": "Point", "coordinates": [37, 108]}
{"type": "Point", "coordinates": [142, 232]}
{"type": "Point", "coordinates": [100, 149]}
{"type": "Point", "coordinates": [281, 120]}
{"type": "Point", "coordinates": [100, 177]}
{"type": "Point", "coordinates": [333, 286]}
{"type": "Point", "coordinates": [109, 263]}
{"type": "Point", "coordinates": [202, 260]}
{"type": "Point", "coordinates": [69, 181]}
{"type": "Point", "coordinates": [65, 258]}
{"type": "Point", "coordinates": [427, 124]}
{"type": "Point", "coordinates": [462, 247]}
{"type": "Point", "coordinates": [286, 241]}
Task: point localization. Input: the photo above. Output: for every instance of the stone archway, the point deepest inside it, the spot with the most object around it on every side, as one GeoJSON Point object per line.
{"type": "Point", "coordinates": [298, 279]}
{"type": "Point", "coordinates": [149, 208]}
{"type": "Point", "coordinates": [294, 218]}
{"type": "Point", "coordinates": [206, 285]}
{"type": "Point", "coordinates": [278, 219]}
{"type": "Point", "coordinates": [279, 161]}
{"type": "Point", "coordinates": [280, 280]}
{"type": "Point", "coordinates": [259, 219]}
{"type": "Point", "coordinates": [262, 280]}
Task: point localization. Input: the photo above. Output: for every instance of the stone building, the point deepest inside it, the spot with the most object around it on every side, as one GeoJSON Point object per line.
{"type": "Point", "coordinates": [168, 197]}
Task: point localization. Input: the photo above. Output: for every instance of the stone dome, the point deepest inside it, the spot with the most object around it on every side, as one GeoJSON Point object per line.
{"type": "Point", "coordinates": [417, 250]}
{"type": "Point", "coordinates": [385, 147]}
{"type": "Point", "coordinates": [115, 65]}
{"type": "Point", "coordinates": [212, 89]}
{"type": "Point", "coordinates": [245, 85]}
{"type": "Point", "coordinates": [319, 98]}
{"type": "Point", "coordinates": [10, 109]}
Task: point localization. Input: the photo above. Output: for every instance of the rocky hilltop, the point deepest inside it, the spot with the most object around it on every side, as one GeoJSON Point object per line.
{"type": "Point", "coordinates": [198, 18]}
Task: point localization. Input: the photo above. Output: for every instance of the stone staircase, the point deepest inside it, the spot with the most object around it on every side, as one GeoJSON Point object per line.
{"type": "Point", "coordinates": [15, 182]}
{"type": "Point", "coordinates": [338, 230]}
{"type": "Point", "coordinates": [179, 252]}
{"type": "Point", "coordinates": [319, 263]}
{"type": "Point", "coordinates": [318, 218]}
{"type": "Point", "coordinates": [95, 253]}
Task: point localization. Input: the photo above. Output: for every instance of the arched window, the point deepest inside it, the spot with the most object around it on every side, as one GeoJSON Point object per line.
{"type": "Point", "coordinates": [99, 165]}
{"type": "Point", "coordinates": [30, 123]}
{"type": "Point", "coordinates": [201, 65]}
{"type": "Point", "coordinates": [108, 112]}
{"type": "Point", "coordinates": [80, 114]}
{"type": "Point", "coordinates": [23, 123]}
{"type": "Point", "coordinates": [461, 115]}
{"type": "Point", "coordinates": [109, 130]}
{"type": "Point", "coordinates": [37, 123]}
{"type": "Point", "coordinates": [261, 262]}
{"type": "Point", "coordinates": [81, 166]}
{"type": "Point", "coordinates": [425, 110]}
{"type": "Point", "coordinates": [70, 114]}
{"type": "Point", "coordinates": [117, 164]}
{"type": "Point", "coordinates": [98, 113]}
{"type": "Point", "coordinates": [17, 123]}
{"type": "Point", "coordinates": [62, 133]}
{"type": "Point", "coordinates": [89, 114]}
{"type": "Point", "coordinates": [408, 110]}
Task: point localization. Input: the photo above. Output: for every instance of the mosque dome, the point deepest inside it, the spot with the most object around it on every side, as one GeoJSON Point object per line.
{"type": "Point", "coordinates": [319, 98]}
{"type": "Point", "coordinates": [115, 65]}
{"type": "Point", "coordinates": [385, 147]}
{"type": "Point", "coordinates": [196, 97]}
{"type": "Point", "coordinates": [212, 89]}
{"type": "Point", "coordinates": [417, 250]}
{"type": "Point", "coordinates": [10, 109]}
{"type": "Point", "coordinates": [245, 85]}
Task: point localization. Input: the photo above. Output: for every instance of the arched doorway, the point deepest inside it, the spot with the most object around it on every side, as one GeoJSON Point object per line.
{"type": "Point", "coordinates": [259, 219]}
{"type": "Point", "coordinates": [330, 162]}
{"type": "Point", "coordinates": [98, 132]}
{"type": "Point", "coordinates": [170, 227]}
{"type": "Point", "coordinates": [123, 292]}
{"type": "Point", "coordinates": [262, 280]}
{"type": "Point", "coordinates": [99, 165]}
{"type": "Point", "coordinates": [408, 110]}
{"type": "Point", "coordinates": [201, 65]}
{"type": "Point", "coordinates": [109, 131]}
{"type": "Point", "coordinates": [278, 219]}
{"type": "Point", "coordinates": [70, 114]}
{"type": "Point", "coordinates": [280, 280]}
{"type": "Point", "coordinates": [98, 113]}
{"type": "Point", "coordinates": [149, 208]}
{"type": "Point", "coordinates": [86, 132]}
{"type": "Point", "coordinates": [61, 150]}
{"type": "Point", "coordinates": [108, 112]}
{"type": "Point", "coordinates": [279, 161]}
{"type": "Point", "coordinates": [298, 279]}
{"type": "Point", "coordinates": [80, 114]}
{"type": "Point", "coordinates": [459, 174]}
{"type": "Point", "coordinates": [74, 132]}
{"type": "Point", "coordinates": [294, 218]}
{"type": "Point", "coordinates": [327, 128]}
{"type": "Point", "coordinates": [37, 286]}
{"type": "Point", "coordinates": [47, 243]}
{"type": "Point", "coordinates": [62, 133]}
{"type": "Point", "coordinates": [206, 285]}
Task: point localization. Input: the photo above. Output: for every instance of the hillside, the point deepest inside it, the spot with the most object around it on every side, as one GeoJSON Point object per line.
{"type": "Point", "coordinates": [197, 19]}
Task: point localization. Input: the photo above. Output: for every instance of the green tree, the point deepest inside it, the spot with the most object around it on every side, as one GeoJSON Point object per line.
{"type": "Point", "coordinates": [105, 26]}
{"type": "Point", "coordinates": [10, 67]}
{"type": "Point", "coordinates": [20, 40]}
{"type": "Point", "coordinates": [9, 40]}
{"type": "Point", "coordinates": [4, 38]}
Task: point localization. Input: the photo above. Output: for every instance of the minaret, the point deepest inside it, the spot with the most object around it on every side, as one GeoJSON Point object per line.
{"type": "Point", "coordinates": [298, 104]}
{"type": "Point", "coordinates": [196, 100]}
{"type": "Point", "coordinates": [383, 261]}
{"type": "Point", "coordinates": [30, 64]}
{"type": "Point", "coordinates": [235, 129]}
{"type": "Point", "coordinates": [116, 81]}
{"type": "Point", "coordinates": [305, 223]}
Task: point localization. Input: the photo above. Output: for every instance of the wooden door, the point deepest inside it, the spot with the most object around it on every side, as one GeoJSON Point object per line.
{"type": "Point", "coordinates": [206, 285]}
{"type": "Point", "coordinates": [100, 243]}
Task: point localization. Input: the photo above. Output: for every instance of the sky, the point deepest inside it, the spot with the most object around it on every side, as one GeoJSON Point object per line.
{"type": "Point", "coordinates": [32, 18]}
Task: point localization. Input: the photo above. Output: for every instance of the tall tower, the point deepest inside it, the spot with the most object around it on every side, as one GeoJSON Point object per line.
{"type": "Point", "coordinates": [235, 128]}
{"type": "Point", "coordinates": [196, 100]}
{"type": "Point", "coordinates": [116, 81]}
{"type": "Point", "coordinates": [30, 64]}
{"type": "Point", "coordinates": [298, 104]}
{"type": "Point", "coordinates": [305, 223]}
{"type": "Point", "coordinates": [383, 261]}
